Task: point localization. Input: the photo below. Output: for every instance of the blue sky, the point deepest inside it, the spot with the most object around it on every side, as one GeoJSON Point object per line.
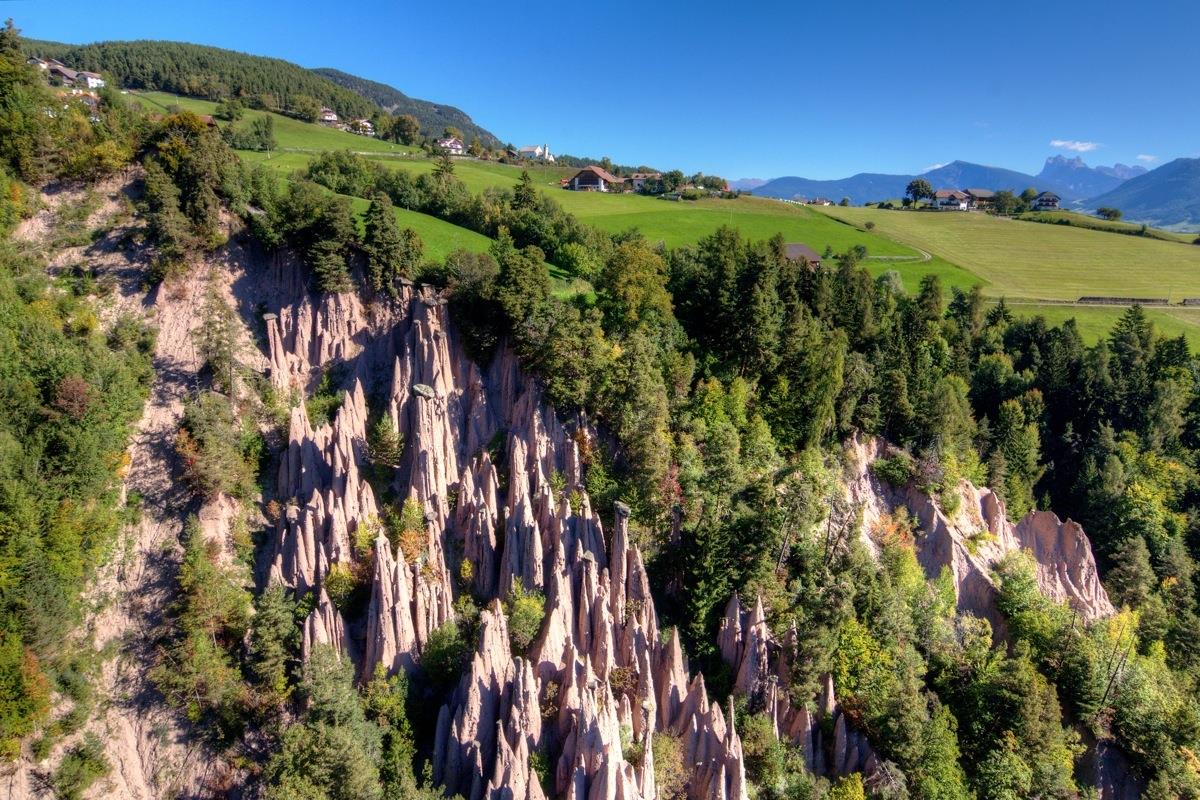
{"type": "Point", "coordinates": [744, 89]}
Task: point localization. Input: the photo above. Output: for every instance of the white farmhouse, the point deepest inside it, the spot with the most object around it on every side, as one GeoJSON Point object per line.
{"type": "Point", "coordinates": [89, 79]}
{"type": "Point", "coordinates": [452, 145]}
{"type": "Point", "coordinates": [536, 152]}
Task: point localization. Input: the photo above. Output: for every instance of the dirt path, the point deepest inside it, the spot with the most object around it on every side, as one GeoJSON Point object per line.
{"type": "Point", "coordinates": [925, 256]}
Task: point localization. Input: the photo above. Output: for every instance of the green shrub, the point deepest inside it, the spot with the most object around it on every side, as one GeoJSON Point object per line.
{"type": "Point", "coordinates": [219, 454]}
{"type": "Point", "coordinates": [524, 610]}
{"type": "Point", "coordinates": [325, 401]}
{"type": "Point", "coordinates": [82, 766]}
{"type": "Point", "coordinates": [897, 471]}
{"type": "Point", "coordinates": [670, 774]}
{"type": "Point", "coordinates": [340, 584]}
{"type": "Point", "coordinates": [444, 656]}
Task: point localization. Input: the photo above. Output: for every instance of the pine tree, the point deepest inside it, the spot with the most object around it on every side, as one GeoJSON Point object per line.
{"type": "Point", "coordinates": [274, 638]}
{"type": "Point", "coordinates": [383, 244]}
{"type": "Point", "coordinates": [524, 195]}
{"type": "Point", "coordinates": [329, 267]}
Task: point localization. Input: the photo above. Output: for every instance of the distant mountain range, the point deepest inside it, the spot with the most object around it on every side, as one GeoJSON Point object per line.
{"type": "Point", "coordinates": [432, 116]}
{"type": "Point", "coordinates": [747, 184]}
{"type": "Point", "coordinates": [1168, 196]}
{"type": "Point", "coordinates": [1070, 178]}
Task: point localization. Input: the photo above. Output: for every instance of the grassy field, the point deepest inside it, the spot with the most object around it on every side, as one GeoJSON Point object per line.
{"type": "Point", "coordinates": [440, 237]}
{"type": "Point", "coordinates": [1095, 322]}
{"type": "Point", "coordinates": [1093, 223]}
{"type": "Point", "coordinates": [1025, 260]}
{"type": "Point", "coordinates": [289, 133]}
{"type": "Point", "coordinates": [672, 222]}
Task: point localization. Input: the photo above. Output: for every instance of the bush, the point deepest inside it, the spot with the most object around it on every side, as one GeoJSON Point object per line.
{"type": "Point", "coordinates": [444, 656]}
{"type": "Point", "coordinates": [406, 529]}
{"type": "Point", "coordinates": [524, 610]}
{"type": "Point", "coordinates": [323, 406]}
{"type": "Point", "coordinates": [848, 788]}
{"type": "Point", "coordinates": [897, 471]}
{"type": "Point", "coordinates": [342, 585]}
{"type": "Point", "coordinates": [212, 444]}
{"type": "Point", "coordinates": [670, 774]}
{"type": "Point", "coordinates": [80, 768]}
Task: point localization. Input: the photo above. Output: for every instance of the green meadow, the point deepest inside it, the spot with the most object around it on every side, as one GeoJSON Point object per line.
{"type": "Point", "coordinates": [1027, 261]}
{"type": "Point", "coordinates": [1022, 260]}
{"type": "Point", "coordinates": [1042, 262]}
{"type": "Point", "coordinates": [1112, 226]}
{"type": "Point", "coordinates": [289, 133]}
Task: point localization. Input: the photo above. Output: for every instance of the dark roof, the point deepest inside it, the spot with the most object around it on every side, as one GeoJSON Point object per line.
{"type": "Point", "coordinates": [1047, 196]}
{"type": "Point", "coordinates": [599, 172]}
{"type": "Point", "coordinates": [646, 175]}
{"type": "Point", "coordinates": [981, 194]}
{"type": "Point", "coordinates": [798, 250]}
{"type": "Point", "coordinates": [950, 193]}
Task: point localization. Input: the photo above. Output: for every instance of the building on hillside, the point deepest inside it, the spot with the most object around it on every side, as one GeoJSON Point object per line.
{"type": "Point", "coordinates": [820, 201]}
{"type": "Point", "coordinates": [40, 63]}
{"type": "Point", "coordinates": [62, 73]}
{"type": "Point", "coordinates": [593, 179]}
{"type": "Point", "coordinates": [452, 145]}
{"type": "Point", "coordinates": [798, 251]}
{"type": "Point", "coordinates": [536, 152]}
{"type": "Point", "coordinates": [638, 180]}
{"type": "Point", "coordinates": [1046, 201]}
{"type": "Point", "coordinates": [363, 126]}
{"type": "Point", "coordinates": [951, 200]}
{"type": "Point", "coordinates": [89, 80]}
{"type": "Point", "coordinates": [980, 199]}
{"type": "Point", "coordinates": [328, 116]}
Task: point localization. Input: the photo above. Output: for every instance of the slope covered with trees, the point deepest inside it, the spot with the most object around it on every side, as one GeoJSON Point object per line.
{"type": "Point", "coordinates": [433, 117]}
{"type": "Point", "coordinates": [208, 72]}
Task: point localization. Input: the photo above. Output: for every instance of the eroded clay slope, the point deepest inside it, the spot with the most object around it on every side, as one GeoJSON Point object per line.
{"type": "Point", "coordinates": [510, 524]}
{"type": "Point", "coordinates": [972, 540]}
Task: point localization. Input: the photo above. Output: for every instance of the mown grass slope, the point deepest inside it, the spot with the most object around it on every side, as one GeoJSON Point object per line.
{"type": "Point", "coordinates": [1027, 261]}
{"type": "Point", "coordinates": [1034, 261]}
{"type": "Point", "coordinates": [1111, 226]}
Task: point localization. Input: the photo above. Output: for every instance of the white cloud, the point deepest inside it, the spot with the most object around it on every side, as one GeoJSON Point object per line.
{"type": "Point", "coordinates": [932, 167]}
{"type": "Point", "coordinates": [1146, 158]}
{"type": "Point", "coordinates": [1074, 145]}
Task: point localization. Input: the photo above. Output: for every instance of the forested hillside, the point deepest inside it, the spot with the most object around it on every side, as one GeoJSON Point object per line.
{"type": "Point", "coordinates": [486, 532]}
{"type": "Point", "coordinates": [207, 72]}
{"type": "Point", "coordinates": [433, 117]}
